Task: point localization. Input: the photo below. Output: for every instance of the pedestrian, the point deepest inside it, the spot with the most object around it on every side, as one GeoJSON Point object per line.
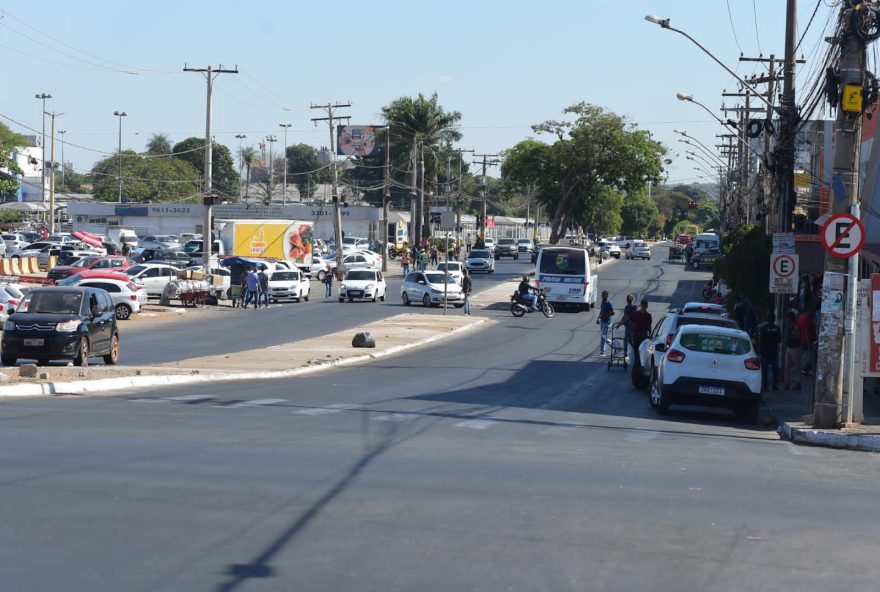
{"type": "Point", "coordinates": [423, 260]}
{"type": "Point", "coordinates": [807, 332]}
{"type": "Point", "coordinates": [242, 284]}
{"type": "Point", "coordinates": [404, 263]}
{"type": "Point", "coordinates": [769, 337]}
{"type": "Point", "coordinates": [235, 294]}
{"type": "Point", "coordinates": [328, 281]}
{"type": "Point", "coordinates": [791, 372]}
{"type": "Point", "coordinates": [626, 322]}
{"type": "Point", "coordinates": [468, 241]}
{"type": "Point", "coordinates": [641, 323]}
{"type": "Point", "coordinates": [253, 288]}
{"type": "Point", "coordinates": [606, 312]}
{"type": "Point", "coordinates": [745, 317]}
{"type": "Point", "coordinates": [435, 255]}
{"type": "Point", "coordinates": [466, 287]}
{"type": "Point", "coordinates": [263, 278]}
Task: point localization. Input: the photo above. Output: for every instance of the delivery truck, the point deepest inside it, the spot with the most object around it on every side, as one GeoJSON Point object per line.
{"type": "Point", "coordinates": [275, 240]}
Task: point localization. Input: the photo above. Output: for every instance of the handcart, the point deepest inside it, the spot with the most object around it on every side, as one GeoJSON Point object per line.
{"type": "Point", "coordinates": [676, 252]}
{"type": "Point", "coordinates": [618, 350]}
{"type": "Point", "coordinates": [192, 293]}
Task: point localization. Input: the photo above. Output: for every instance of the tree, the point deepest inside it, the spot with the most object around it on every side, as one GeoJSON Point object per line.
{"type": "Point", "coordinates": [304, 168]}
{"type": "Point", "coordinates": [9, 143]}
{"type": "Point", "coordinates": [598, 151]}
{"type": "Point", "coordinates": [638, 214]}
{"type": "Point", "coordinates": [159, 144]}
{"type": "Point", "coordinates": [420, 124]}
{"type": "Point", "coordinates": [746, 265]}
{"type": "Point", "coordinates": [248, 157]}
{"type": "Point", "coordinates": [144, 179]}
{"type": "Point", "coordinates": [224, 176]}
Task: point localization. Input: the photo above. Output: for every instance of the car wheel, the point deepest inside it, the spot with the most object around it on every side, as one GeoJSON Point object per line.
{"type": "Point", "coordinates": [426, 300]}
{"type": "Point", "coordinates": [654, 391]}
{"type": "Point", "coordinates": [351, 299]}
{"type": "Point", "coordinates": [321, 275]}
{"type": "Point", "coordinates": [82, 356]}
{"type": "Point", "coordinates": [113, 356]}
{"type": "Point", "coordinates": [405, 298]}
{"type": "Point", "coordinates": [376, 298]}
{"type": "Point", "coordinates": [342, 300]}
{"type": "Point", "coordinates": [309, 291]}
{"type": "Point", "coordinates": [516, 257]}
{"type": "Point", "coordinates": [8, 360]}
{"type": "Point", "coordinates": [123, 312]}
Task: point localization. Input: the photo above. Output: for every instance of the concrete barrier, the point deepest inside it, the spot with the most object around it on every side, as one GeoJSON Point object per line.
{"type": "Point", "coordinates": [14, 266]}
{"type": "Point", "coordinates": [53, 261]}
{"type": "Point", "coordinates": [5, 267]}
{"type": "Point", "coordinates": [24, 265]}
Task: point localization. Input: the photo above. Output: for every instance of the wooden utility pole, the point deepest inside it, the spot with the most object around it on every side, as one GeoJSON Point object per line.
{"type": "Point", "coordinates": [483, 190]}
{"type": "Point", "coordinates": [331, 108]}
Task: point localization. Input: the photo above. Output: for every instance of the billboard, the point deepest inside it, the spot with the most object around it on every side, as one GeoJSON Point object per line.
{"type": "Point", "coordinates": [356, 140]}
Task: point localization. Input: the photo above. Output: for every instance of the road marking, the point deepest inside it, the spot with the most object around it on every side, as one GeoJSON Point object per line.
{"type": "Point", "coordinates": [395, 417]}
{"type": "Point", "coordinates": [189, 398]}
{"type": "Point", "coordinates": [255, 403]}
{"type": "Point", "coordinates": [335, 408]}
{"type": "Point", "coordinates": [476, 424]}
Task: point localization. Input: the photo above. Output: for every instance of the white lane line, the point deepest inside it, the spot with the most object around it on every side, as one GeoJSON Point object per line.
{"type": "Point", "coordinates": [335, 408]}
{"type": "Point", "coordinates": [189, 398]}
{"type": "Point", "coordinates": [396, 417]}
{"type": "Point", "coordinates": [256, 403]}
{"type": "Point", "coordinates": [476, 424]}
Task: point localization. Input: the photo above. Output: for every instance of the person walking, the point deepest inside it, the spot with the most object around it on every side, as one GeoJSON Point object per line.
{"type": "Point", "coordinates": [404, 263]}
{"type": "Point", "coordinates": [791, 372]}
{"type": "Point", "coordinates": [745, 317]}
{"type": "Point", "coordinates": [263, 279]}
{"type": "Point", "coordinates": [606, 312]}
{"type": "Point", "coordinates": [253, 288]}
{"type": "Point", "coordinates": [466, 287]}
{"type": "Point", "coordinates": [807, 331]}
{"type": "Point", "coordinates": [423, 260]}
{"type": "Point", "coordinates": [626, 323]}
{"type": "Point", "coordinates": [468, 241]}
{"type": "Point", "coordinates": [769, 337]}
{"type": "Point", "coordinates": [328, 282]}
{"type": "Point", "coordinates": [435, 256]}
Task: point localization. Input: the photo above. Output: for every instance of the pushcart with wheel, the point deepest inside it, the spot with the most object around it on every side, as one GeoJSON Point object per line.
{"type": "Point", "coordinates": [617, 356]}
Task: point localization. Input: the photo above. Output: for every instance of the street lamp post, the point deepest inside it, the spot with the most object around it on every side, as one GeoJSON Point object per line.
{"type": "Point", "coordinates": [120, 115]}
{"type": "Point", "coordinates": [691, 99]}
{"type": "Point", "coordinates": [271, 140]}
{"type": "Point", "coordinates": [284, 194]}
{"type": "Point", "coordinates": [61, 133]}
{"type": "Point", "coordinates": [240, 162]}
{"type": "Point", "coordinates": [43, 97]}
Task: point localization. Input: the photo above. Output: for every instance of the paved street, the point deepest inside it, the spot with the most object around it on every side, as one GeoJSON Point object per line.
{"type": "Point", "coordinates": [507, 459]}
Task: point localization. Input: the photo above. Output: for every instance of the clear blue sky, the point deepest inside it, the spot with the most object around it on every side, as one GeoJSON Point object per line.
{"type": "Point", "coordinates": [505, 64]}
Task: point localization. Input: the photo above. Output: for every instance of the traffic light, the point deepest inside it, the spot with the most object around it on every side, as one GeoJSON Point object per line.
{"type": "Point", "coordinates": [692, 204]}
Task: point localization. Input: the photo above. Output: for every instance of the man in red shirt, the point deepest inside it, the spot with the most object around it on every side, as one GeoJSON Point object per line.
{"type": "Point", "coordinates": [807, 330]}
{"type": "Point", "coordinates": [641, 324]}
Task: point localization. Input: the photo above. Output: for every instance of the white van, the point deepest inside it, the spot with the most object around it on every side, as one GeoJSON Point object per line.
{"type": "Point", "coordinates": [706, 241]}
{"type": "Point", "coordinates": [568, 276]}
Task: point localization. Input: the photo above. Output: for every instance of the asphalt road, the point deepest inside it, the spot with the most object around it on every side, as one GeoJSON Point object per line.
{"type": "Point", "coordinates": [508, 459]}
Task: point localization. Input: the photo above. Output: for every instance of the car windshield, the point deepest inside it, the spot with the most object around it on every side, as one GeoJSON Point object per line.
{"type": "Point", "coordinates": [704, 309]}
{"type": "Point", "coordinates": [708, 321]}
{"type": "Point", "coordinates": [360, 275]}
{"type": "Point", "coordinates": [437, 278]}
{"type": "Point", "coordinates": [563, 261]}
{"type": "Point", "coordinates": [134, 270]}
{"type": "Point", "coordinates": [712, 343]}
{"type": "Point", "coordinates": [506, 241]}
{"type": "Point", "coordinates": [452, 266]}
{"type": "Point", "coordinates": [54, 302]}
{"type": "Point", "coordinates": [479, 254]}
{"type": "Point", "coordinates": [166, 239]}
{"type": "Point", "coordinates": [285, 276]}
{"type": "Point", "coordinates": [84, 262]}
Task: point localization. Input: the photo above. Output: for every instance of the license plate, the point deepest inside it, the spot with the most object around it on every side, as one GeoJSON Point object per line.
{"type": "Point", "coordinates": [33, 342]}
{"type": "Point", "coordinates": [711, 390]}
{"type": "Point", "coordinates": [356, 294]}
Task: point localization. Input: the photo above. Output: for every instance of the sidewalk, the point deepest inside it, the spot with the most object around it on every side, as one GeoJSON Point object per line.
{"type": "Point", "coordinates": [790, 408]}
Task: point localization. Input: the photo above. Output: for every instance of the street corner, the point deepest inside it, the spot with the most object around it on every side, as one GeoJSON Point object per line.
{"type": "Point", "coordinates": [864, 437]}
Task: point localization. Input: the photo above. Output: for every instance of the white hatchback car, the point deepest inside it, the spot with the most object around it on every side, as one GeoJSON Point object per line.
{"type": "Point", "coordinates": [127, 297]}
{"type": "Point", "coordinates": [289, 284]}
{"type": "Point", "coordinates": [638, 250]}
{"type": "Point", "coordinates": [367, 284]}
{"type": "Point", "coordinates": [480, 260]}
{"type": "Point", "coordinates": [710, 366]}
{"type": "Point", "coordinates": [455, 269]}
{"type": "Point", "coordinates": [429, 287]}
{"type": "Point", "coordinates": [153, 276]}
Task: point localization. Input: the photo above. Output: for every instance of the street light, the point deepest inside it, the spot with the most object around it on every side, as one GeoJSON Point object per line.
{"type": "Point", "coordinates": [690, 99]}
{"type": "Point", "coordinates": [240, 162]}
{"type": "Point", "coordinates": [120, 115]}
{"type": "Point", "coordinates": [43, 97]}
{"type": "Point", "coordinates": [703, 150]}
{"type": "Point", "coordinates": [284, 195]}
{"type": "Point", "coordinates": [271, 140]}
{"type": "Point", "coordinates": [664, 23]}
{"type": "Point", "coordinates": [61, 133]}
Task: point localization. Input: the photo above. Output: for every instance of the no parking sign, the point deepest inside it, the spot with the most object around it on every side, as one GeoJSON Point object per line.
{"type": "Point", "coordinates": [783, 273]}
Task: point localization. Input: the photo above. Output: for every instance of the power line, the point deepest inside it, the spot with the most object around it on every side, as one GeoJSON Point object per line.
{"type": "Point", "coordinates": [732, 28]}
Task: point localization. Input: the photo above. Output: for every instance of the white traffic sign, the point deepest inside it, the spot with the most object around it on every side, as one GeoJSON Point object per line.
{"type": "Point", "coordinates": [783, 242]}
{"type": "Point", "coordinates": [843, 235]}
{"type": "Point", "coordinates": [783, 273]}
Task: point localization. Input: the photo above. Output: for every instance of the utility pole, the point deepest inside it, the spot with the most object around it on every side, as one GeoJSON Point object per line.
{"type": "Point", "coordinates": [386, 196]}
{"type": "Point", "coordinates": [788, 120]}
{"type": "Point", "coordinates": [52, 181]}
{"type": "Point", "coordinates": [120, 115]}
{"type": "Point", "coordinates": [835, 330]}
{"type": "Point", "coordinates": [459, 202]}
{"type": "Point", "coordinates": [483, 187]}
{"type": "Point", "coordinates": [210, 74]}
{"type": "Point", "coordinates": [43, 97]}
{"type": "Point", "coordinates": [271, 186]}
{"type": "Point", "coordinates": [331, 108]}
{"type": "Point", "coordinates": [284, 194]}
{"type": "Point", "coordinates": [240, 137]}
{"type": "Point", "coordinates": [61, 133]}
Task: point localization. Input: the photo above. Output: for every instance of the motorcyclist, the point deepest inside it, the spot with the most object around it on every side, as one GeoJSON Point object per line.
{"type": "Point", "coordinates": [527, 292]}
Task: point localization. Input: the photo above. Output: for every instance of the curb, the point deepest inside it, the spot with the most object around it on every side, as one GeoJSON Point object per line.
{"type": "Point", "coordinates": [110, 384]}
{"type": "Point", "coordinates": [800, 434]}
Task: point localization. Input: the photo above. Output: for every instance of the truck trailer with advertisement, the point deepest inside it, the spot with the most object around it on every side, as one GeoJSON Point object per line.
{"type": "Point", "coordinates": [273, 240]}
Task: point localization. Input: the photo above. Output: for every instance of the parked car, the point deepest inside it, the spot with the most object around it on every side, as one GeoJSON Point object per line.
{"type": "Point", "coordinates": [652, 348]}
{"type": "Point", "coordinates": [704, 308]}
{"type": "Point", "coordinates": [524, 245]}
{"type": "Point", "coordinates": [710, 366]}
{"type": "Point", "coordinates": [429, 287]}
{"type": "Point", "coordinates": [59, 272]}
{"type": "Point", "coordinates": [506, 247]}
{"type": "Point", "coordinates": [683, 239]}
{"type": "Point", "coordinates": [90, 274]}
{"type": "Point", "coordinates": [153, 276]}
{"type": "Point", "coordinates": [127, 297]}
{"type": "Point", "coordinates": [31, 250]}
{"type": "Point", "coordinates": [707, 258]}
{"type": "Point", "coordinates": [14, 240]}
{"type": "Point", "coordinates": [453, 268]}
{"type": "Point", "coordinates": [62, 323]}
{"type": "Point", "coordinates": [289, 284]}
{"type": "Point", "coordinates": [9, 300]}
{"type": "Point", "coordinates": [480, 260]}
{"type": "Point", "coordinates": [638, 250]}
{"type": "Point", "coordinates": [367, 284]}
{"type": "Point", "coordinates": [3, 248]}
{"type": "Point", "coordinates": [160, 242]}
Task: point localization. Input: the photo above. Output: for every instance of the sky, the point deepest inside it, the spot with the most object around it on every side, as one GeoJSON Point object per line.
{"type": "Point", "coordinates": [504, 64]}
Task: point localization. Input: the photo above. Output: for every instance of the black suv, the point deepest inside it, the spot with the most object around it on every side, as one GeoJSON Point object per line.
{"type": "Point", "coordinates": [62, 323]}
{"type": "Point", "coordinates": [506, 247]}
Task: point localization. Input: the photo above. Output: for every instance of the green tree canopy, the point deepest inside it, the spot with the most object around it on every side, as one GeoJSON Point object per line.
{"type": "Point", "coordinates": [304, 168]}
{"type": "Point", "coordinates": [638, 214]}
{"type": "Point", "coordinates": [224, 175]}
{"type": "Point", "coordinates": [159, 144]}
{"type": "Point", "coordinates": [597, 152]}
{"type": "Point", "coordinates": [144, 179]}
{"type": "Point", "coordinates": [9, 143]}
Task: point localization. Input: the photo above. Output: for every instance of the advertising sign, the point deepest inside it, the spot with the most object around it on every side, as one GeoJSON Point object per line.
{"type": "Point", "coordinates": [783, 242]}
{"type": "Point", "coordinates": [783, 273]}
{"type": "Point", "coordinates": [873, 365]}
{"type": "Point", "coordinates": [356, 140]}
{"type": "Point", "coordinates": [490, 221]}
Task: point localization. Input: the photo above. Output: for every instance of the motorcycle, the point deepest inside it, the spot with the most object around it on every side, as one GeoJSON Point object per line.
{"type": "Point", "coordinates": [519, 307]}
{"type": "Point", "coordinates": [393, 253]}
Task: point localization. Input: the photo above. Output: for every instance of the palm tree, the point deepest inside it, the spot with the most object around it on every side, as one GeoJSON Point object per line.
{"type": "Point", "coordinates": [421, 123]}
{"type": "Point", "coordinates": [159, 144]}
{"type": "Point", "coordinates": [248, 156]}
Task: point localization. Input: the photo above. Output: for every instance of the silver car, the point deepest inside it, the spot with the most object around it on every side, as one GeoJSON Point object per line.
{"type": "Point", "coordinates": [429, 288]}
{"type": "Point", "coordinates": [480, 260]}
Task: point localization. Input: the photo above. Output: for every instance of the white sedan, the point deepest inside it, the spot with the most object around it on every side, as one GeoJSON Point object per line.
{"type": "Point", "coordinates": [127, 297]}
{"type": "Point", "coordinates": [480, 260]}
{"type": "Point", "coordinates": [710, 366]}
{"type": "Point", "coordinates": [289, 284]}
{"type": "Point", "coordinates": [429, 288]}
{"type": "Point", "coordinates": [367, 284]}
{"type": "Point", "coordinates": [454, 268]}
